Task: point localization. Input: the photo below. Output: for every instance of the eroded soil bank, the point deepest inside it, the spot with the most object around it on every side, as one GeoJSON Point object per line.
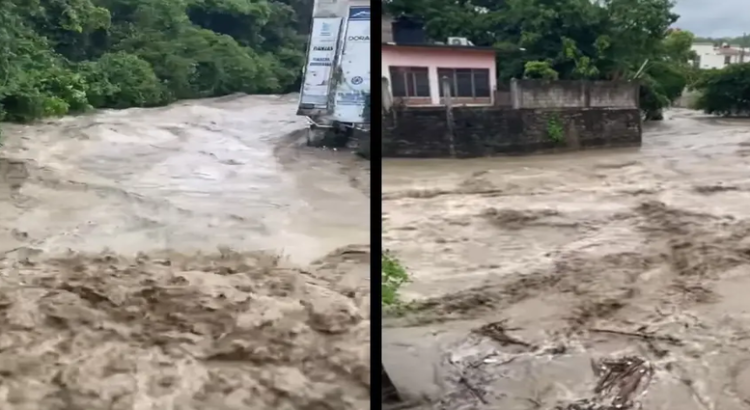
{"type": "Point", "coordinates": [188, 257]}
{"type": "Point", "coordinates": [543, 282]}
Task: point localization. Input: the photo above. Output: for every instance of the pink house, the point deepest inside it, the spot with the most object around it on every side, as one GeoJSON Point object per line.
{"type": "Point", "coordinates": [414, 72]}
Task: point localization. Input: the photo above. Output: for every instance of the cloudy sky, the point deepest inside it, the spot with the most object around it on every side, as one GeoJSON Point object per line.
{"type": "Point", "coordinates": [713, 18]}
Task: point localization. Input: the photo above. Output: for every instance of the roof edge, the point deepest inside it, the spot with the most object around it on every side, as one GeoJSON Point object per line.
{"type": "Point", "coordinates": [439, 46]}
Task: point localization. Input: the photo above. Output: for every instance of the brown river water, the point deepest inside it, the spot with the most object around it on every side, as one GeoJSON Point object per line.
{"type": "Point", "coordinates": [195, 256]}
{"type": "Point", "coordinates": [528, 272]}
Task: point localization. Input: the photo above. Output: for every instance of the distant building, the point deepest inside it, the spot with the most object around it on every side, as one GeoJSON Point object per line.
{"type": "Point", "coordinates": [710, 55]}
{"type": "Point", "coordinates": [414, 67]}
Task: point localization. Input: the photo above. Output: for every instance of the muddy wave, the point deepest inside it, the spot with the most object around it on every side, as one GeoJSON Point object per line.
{"type": "Point", "coordinates": [593, 281]}
{"type": "Point", "coordinates": [191, 176]}
{"type": "Point", "coordinates": [225, 330]}
{"type": "Point", "coordinates": [113, 294]}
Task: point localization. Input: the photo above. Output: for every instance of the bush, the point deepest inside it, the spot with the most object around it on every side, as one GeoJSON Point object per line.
{"type": "Point", "coordinates": [38, 93]}
{"type": "Point", "coordinates": [725, 91]}
{"type": "Point", "coordinates": [394, 276]}
{"type": "Point", "coordinates": [120, 80]}
{"type": "Point", "coordinates": [540, 70]}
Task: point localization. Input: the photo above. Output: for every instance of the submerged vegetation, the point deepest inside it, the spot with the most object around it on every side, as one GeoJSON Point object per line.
{"type": "Point", "coordinates": [66, 56]}
{"type": "Point", "coordinates": [394, 276]}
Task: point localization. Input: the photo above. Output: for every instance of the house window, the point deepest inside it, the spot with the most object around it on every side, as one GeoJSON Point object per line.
{"type": "Point", "coordinates": [410, 82]}
{"type": "Point", "coordinates": [466, 82]}
{"type": "Point", "coordinates": [727, 60]}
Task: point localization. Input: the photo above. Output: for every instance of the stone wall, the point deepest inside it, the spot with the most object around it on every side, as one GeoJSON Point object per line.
{"type": "Point", "coordinates": [574, 94]}
{"type": "Point", "coordinates": [487, 131]}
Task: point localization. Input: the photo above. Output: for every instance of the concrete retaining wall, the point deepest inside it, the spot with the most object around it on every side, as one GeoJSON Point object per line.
{"type": "Point", "coordinates": [487, 131]}
{"type": "Point", "coordinates": [574, 94]}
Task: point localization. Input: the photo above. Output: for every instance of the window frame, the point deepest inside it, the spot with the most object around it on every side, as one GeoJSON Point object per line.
{"type": "Point", "coordinates": [406, 73]}
{"type": "Point", "coordinates": [454, 72]}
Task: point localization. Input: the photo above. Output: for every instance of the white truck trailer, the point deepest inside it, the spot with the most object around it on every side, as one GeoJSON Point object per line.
{"type": "Point", "coordinates": [336, 79]}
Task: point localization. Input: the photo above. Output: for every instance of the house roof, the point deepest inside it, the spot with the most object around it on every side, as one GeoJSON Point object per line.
{"type": "Point", "coordinates": [440, 46]}
{"type": "Point", "coordinates": [729, 51]}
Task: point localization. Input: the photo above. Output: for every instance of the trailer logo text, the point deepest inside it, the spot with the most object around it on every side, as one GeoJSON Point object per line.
{"type": "Point", "coordinates": [359, 13]}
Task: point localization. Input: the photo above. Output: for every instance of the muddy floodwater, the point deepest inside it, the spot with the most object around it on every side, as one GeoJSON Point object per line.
{"type": "Point", "coordinates": [534, 276]}
{"type": "Point", "coordinates": [188, 257]}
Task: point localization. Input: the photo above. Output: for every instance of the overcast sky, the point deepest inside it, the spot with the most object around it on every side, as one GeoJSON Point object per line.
{"type": "Point", "coordinates": [713, 18]}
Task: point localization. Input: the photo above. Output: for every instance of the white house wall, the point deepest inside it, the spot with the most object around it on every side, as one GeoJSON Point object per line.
{"type": "Point", "coordinates": [711, 58]}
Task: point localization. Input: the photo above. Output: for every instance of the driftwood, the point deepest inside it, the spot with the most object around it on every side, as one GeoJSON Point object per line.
{"type": "Point", "coordinates": [620, 382]}
{"type": "Point", "coordinates": [497, 332]}
{"type": "Point", "coordinates": [641, 335]}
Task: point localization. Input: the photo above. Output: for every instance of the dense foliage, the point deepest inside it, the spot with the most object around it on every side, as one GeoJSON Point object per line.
{"type": "Point", "coordinates": [61, 56]}
{"type": "Point", "coordinates": [569, 39]}
{"type": "Point", "coordinates": [725, 91]}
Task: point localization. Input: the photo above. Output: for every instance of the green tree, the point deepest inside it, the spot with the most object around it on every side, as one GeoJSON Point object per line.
{"type": "Point", "coordinates": [677, 47]}
{"type": "Point", "coordinates": [726, 91]}
{"type": "Point", "coordinates": [62, 56]}
{"type": "Point", "coordinates": [541, 70]}
{"type": "Point", "coordinates": [565, 39]}
{"type": "Point", "coordinates": [121, 80]}
{"type": "Point", "coordinates": [668, 73]}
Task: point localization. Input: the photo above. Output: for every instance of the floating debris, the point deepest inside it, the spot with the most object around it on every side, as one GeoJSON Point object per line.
{"type": "Point", "coordinates": [620, 382]}
{"type": "Point", "coordinates": [497, 332]}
